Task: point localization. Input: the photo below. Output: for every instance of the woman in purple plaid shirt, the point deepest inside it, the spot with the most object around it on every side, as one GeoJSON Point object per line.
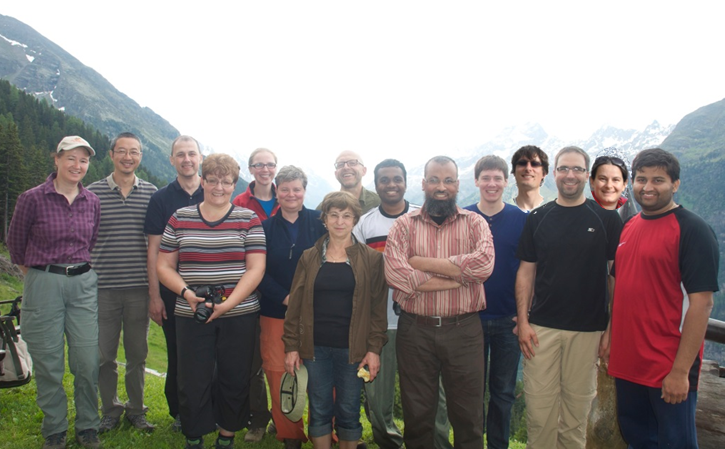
{"type": "Point", "coordinates": [53, 230]}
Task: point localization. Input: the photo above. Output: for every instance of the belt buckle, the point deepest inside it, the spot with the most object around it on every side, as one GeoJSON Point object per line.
{"type": "Point", "coordinates": [68, 269]}
{"type": "Point", "coordinates": [440, 321]}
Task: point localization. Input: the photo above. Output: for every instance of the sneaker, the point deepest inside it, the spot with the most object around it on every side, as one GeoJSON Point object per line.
{"type": "Point", "coordinates": [224, 442]}
{"type": "Point", "coordinates": [272, 429]}
{"type": "Point", "coordinates": [139, 422]}
{"type": "Point", "coordinates": [176, 426]}
{"type": "Point", "coordinates": [194, 443]}
{"type": "Point", "coordinates": [108, 423]}
{"type": "Point", "coordinates": [292, 443]}
{"type": "Point", "coordinates": [254, 435]}
{"type": "Point", "coordinates": [88, 438]}
{"type": "Point", "coordinates": [55, 441]}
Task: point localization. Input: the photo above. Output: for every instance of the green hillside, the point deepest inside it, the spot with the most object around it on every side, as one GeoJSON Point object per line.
{"type": "Point", "coordinates": [698, 140]}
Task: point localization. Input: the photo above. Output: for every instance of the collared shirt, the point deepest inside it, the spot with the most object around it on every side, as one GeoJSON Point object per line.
{"type": "Point", "coordinates": [464, 239]}
{"type": "Point", "coordinates": [119, 257]}
{"type": "Point", "coordinates": [368, 200]}
{"type": "Point", "coordinates": [47, 230]}
{"type": "Point", "coordinates": [165, 202]}
{"type": "Point", "coordinates": [324, 250]}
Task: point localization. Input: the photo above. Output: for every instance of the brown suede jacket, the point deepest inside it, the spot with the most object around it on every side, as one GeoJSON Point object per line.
{"type": "Point", "coordinates": [369, 320]}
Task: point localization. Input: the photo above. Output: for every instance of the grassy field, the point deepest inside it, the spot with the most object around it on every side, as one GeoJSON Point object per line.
{"type": "Point", "coordinates": [20, 417]}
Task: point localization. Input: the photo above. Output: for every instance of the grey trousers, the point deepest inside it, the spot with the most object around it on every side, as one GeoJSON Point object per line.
{"type": "Point", "coordinates": [56, 306]}
{"type": "Point", "coordinates": [124, 310]}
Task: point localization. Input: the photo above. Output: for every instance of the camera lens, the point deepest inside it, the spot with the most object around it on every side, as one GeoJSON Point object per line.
{"type": "Point", "coordinates": [202, 313]}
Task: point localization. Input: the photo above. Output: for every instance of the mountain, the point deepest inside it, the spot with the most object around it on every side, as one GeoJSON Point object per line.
{"type": "Point", "coordinates": [505, 144]}
{"type": "Point", "coordinates": [699, 135]}
{"type": "Point", "coordinates": [38, 66]}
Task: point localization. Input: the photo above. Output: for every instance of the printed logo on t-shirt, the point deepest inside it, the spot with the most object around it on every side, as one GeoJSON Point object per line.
{"type": "Point", "coordinates": [590, 230]}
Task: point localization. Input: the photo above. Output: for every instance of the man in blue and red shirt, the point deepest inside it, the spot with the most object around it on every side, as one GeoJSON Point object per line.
{"type": "Point", "coordinates": [666, 272]}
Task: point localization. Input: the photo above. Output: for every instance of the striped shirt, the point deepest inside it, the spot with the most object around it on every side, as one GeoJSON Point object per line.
{"type": "Point", "coordinates": [464, 239]}
{"type": "Point", "coordinates": [214, 253]}
{"type": "Point", "coordinates": [119, 257]}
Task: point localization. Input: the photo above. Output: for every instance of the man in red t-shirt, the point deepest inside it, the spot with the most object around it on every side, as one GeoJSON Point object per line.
{"type": "Point", "coordinates": [666, 272]}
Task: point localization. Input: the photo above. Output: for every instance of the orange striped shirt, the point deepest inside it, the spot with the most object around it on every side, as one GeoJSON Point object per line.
{"type": "Point", "coordinates": [463, 238]}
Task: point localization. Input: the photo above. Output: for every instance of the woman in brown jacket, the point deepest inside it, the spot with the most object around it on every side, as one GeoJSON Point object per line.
{"type": "Point", "coordinates": [336, 322]}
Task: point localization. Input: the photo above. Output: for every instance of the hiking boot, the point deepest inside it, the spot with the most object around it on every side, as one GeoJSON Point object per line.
{"type": "Point", "coordinates": [108, 423]}
{"type": "Point", "coordinates": [194, 443]}
{"type": "Point", "coordinates": [139, 422]}
{"type": "Point", "coordinates": [254, 435]}
{"type": "Point", "coordinates": [224, 442]}
{"type": "Point", "coordinates": [272, 429]}
{"type": "Point", "coordinates": [292, 443]}
{"type": "Point", "coordinates": [55, 441]}
{"type": "Point", "coordinates": [88, 438]}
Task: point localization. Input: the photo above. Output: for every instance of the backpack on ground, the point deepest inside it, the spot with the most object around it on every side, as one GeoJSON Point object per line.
{"type": "Point", "coordinates": [16, 366]}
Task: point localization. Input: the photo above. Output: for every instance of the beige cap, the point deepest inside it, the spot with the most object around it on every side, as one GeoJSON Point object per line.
{"type": "Point", "coordinates": [70, 142]}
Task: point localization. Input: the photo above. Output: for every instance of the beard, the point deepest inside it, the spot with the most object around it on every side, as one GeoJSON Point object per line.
{"type": "Point", "coordinates": [440, 208]}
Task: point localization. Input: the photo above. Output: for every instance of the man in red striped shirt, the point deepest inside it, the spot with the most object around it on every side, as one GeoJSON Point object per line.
{"type": "Point", "coordinates": [436, 260]}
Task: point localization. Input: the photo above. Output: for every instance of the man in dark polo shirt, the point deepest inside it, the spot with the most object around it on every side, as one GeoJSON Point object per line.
{"type": "Point", "coordinates": [185, 190]}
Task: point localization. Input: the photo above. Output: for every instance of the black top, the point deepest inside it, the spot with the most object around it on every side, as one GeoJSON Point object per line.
{"type": "Point", "coordinates": [571, 247]}
{"type": "Point", "coordinates": [165, 202]}
{"type": "Point", "coordinates": [334, 288]}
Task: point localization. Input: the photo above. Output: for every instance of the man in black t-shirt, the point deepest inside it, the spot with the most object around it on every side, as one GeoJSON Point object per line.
{"type": "Point", "coordinates": [562, 307]}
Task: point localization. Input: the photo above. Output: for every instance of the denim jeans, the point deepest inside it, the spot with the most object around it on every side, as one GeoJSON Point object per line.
{"type": "Point", "coordinates": [501, 354]}
{"type": "Point", "coordinates": [328, 371]}
{"type": "Point", "coordinates": [647, 421]}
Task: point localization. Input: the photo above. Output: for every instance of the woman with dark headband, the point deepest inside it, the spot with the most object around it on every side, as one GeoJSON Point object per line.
{"type": "Point", "coordinates": [608, 180]}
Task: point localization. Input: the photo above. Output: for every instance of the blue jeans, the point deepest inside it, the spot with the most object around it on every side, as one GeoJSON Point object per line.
{"type": "Point", "coordinates": [501, 353]}
{"type": "Point", "coordinates": [328, 371]}
{"type": "Point", "coordinates": [648, 422]}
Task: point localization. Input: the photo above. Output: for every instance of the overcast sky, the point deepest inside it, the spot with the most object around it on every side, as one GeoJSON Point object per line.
{"type": "Point", "coordinates": [390, 78]}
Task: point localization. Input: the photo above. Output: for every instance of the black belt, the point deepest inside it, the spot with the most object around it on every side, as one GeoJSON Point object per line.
{"type": "Point", "coordinates": [438, 321]}
{"type": "Point", "coordinates": [70, 270]}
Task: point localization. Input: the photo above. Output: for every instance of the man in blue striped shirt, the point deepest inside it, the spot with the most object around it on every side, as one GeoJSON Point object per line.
{"type": "Point", "coordinates": [119, 258]}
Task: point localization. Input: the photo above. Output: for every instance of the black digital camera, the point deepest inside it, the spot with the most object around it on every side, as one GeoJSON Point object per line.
{"type": "Point", "coordinates": [213, 294]}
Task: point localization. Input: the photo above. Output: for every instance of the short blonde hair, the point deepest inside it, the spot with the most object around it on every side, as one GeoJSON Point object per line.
{"type": "Point", "coordinates": [220, 164]}
{"type": "Point", "coordinates": [341, 200]}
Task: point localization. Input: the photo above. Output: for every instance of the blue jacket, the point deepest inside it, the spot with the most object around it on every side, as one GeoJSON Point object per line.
{"type": "Point", "coordinates": [282, 257]}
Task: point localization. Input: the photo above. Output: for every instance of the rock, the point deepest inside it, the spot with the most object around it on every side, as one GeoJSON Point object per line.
{"type": "Point", "coordinates": [603, 428]}
{"type": "Point", "coordinates": [10, 268]}
{"type": "Point", "coordinates": [710, 417]}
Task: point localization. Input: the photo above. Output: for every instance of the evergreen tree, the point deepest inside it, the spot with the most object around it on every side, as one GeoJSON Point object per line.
{"type": "Point", "coordinates": [13, 173]}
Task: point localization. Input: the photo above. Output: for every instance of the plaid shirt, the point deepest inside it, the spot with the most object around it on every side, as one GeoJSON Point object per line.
{"type": "Point", "coordinates": [47, 230]}
{"type": "Point", "coordinates": [463, 238]}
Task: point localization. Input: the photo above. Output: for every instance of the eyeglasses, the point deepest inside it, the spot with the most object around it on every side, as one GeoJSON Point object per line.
{"type": "Point", "coordinates": [259, 165]}
{"type": "Point", "coordinates": [124, 152]}
{"type": "Point", "coordinates": [524, 163]}
{"type": "Point", "coordinates": [351, 163]}
{"type": "Point", "coordinates": [435, 181]}
{"type": "Point", "coordinates": [334, 216]}
{"type": "Point", "coordinates": [577, 170]}
{"type": "Point", "coordinates": [216, 182]}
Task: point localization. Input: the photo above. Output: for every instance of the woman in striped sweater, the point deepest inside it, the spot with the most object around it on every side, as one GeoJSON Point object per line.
{"type": "Point", "coordinates": [218, 244]}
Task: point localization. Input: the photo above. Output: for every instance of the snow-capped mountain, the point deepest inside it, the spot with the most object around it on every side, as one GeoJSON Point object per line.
{"type": "Point", "coordinates": [629, 141]}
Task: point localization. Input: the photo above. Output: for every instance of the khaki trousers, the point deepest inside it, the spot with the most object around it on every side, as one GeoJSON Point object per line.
{"type": "Point", "coordinates": [560, 383]}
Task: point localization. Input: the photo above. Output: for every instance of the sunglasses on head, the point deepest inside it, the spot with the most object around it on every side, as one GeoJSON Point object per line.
{"type": "Point", "coordinates": [601, 160]}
